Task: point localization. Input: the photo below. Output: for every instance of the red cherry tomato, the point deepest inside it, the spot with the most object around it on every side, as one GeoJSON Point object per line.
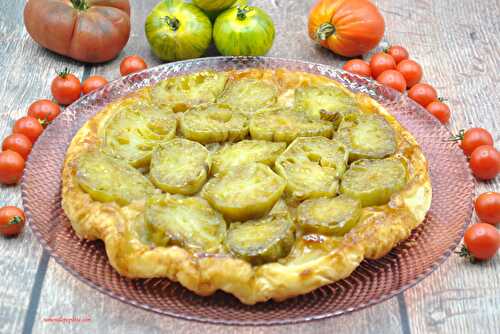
{"type": "Point", "coordinates": [411, 70]}
{"type": "Point", "coordinates": [398, 52]}
{"type": "Point", "coordinates": [45, 110]}
{"type": "Point", "coordinates": [423, 94]}
{"type": "Point", "coordinates": [359, 67]}
{"type": "Point", "coordinates": [132, 64]}
{"type": "Point", "coordinates": [19, 143]}
{"type": "Point", "coordinates": [482, 241]}
{"type": "Point", "coordinates": [12, 221]}
{"type": "Point", "coordinates": [487, 207]}
{"type": "Point", "coordinates": [28, 126]}
{"type": "Point", "coordinates": [66, 88]}
{"type": "Point", "coordinates": [93, 83]}
{"type": "Point", "coordinates": [473, 138]}
{"type": "Point", "coordinates": [393, 79]}
{"type": "Point", "coordinates": [381, 62]}
{"type": "Point", "coordinates": [440, 110]}
{"type": "Point", "coordinates": [485, 162]}
{"type": "Point", "coordinates": [11, 167]}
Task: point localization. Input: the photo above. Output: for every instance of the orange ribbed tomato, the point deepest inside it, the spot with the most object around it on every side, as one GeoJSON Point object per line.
{"type": "Point", "coordinates": [347, 27]}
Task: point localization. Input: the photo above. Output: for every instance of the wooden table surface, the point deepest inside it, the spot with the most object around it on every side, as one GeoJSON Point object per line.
{"type": "Point", "coordinates": [458, 44]}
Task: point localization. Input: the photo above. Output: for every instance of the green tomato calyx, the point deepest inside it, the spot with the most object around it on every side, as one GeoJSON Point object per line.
{"type": "Point", "coordinates": [172, 22]}
{"type": "Point", "coordinates": [242, 12]}
{"type": "Point", "coordinates": [325, 31]}
{"type": "Point", "coordinates": [15, 220]}
{"type": "Point", "coordinates": [80, 4]}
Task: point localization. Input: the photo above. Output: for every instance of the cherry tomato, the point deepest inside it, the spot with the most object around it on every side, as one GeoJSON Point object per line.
{"type": "Point", "coordinates": [482, 241]}
{"type": "Point", "coordinates": [19, 143]}
{"type": "Point", "coordinates": [28, 126]}
{"type": "Point", "coordinates": [66, 88]}
{"type": "Point", "coordinates": [11, 167]}
{"type": "Point", "coordinates": [93, 83]}
{"type": "Point", "coordinates": [485, 162]}
{"type": "Point", "coordinates": [411, 70]}
{"type": "Point", "coordinates": [132, 64]}
{"type": "Point", "coordinates": [381, 62]}
{"type": "Point", "coordinates": [423, 94]}
{"type": "Point", "coordinates": [440, 110]}
{"type": "Point", "coordinates": [12, 221]}
{"type": "Point", "coordinates": [473, 138]}
{"type": "Point", "coordinates": [359, 67]}
{"type": "Point", "coordinates": [488, 207]}
{"type": "Point", "coordinates": [45, 110]}
{"type": "Point", "coordinates": [393, 79]}
{"type": "Point", "coordinates": [398, 52]}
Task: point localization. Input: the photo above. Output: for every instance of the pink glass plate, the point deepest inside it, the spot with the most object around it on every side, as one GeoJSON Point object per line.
{"type": "Point", "coordinates": [372, 282]}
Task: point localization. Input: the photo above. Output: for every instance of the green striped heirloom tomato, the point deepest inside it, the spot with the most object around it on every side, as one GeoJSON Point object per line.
{"type": "Point", "coordinates": [244, 31]}
{"type": "Point", "coordinates": [214, 7]}
{"type": "Point", "coordinates": [176, 30]}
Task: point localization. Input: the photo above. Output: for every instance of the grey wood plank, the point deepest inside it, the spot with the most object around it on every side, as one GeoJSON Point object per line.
{"type": "Point", "coordinates": [457, 44]}
{"type": "Point", "coordinates": [25, 74]}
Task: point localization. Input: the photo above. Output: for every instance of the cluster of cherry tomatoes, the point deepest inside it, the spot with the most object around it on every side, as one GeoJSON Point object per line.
{"type": "Point", "coordinates": [66, 88]}
{"type": "Point", "coordinates": [394, 69]}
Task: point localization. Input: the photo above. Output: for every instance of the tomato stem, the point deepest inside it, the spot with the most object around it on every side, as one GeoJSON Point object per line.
{"type": "Point", "coordinates": [464, 252]}
{"type": "Point", "coordinates": [63, 73]}
{"type": "Point", "coordinates": [458, 137]}
{"type": "Point", "coordinates": [15, 220]}
{"type": "Point", "coordinates": [172, 22]}
{"type": "Point", "coordinates": [80, 4]}
{"type": "Point", "coordinates": [325, 31]}
{"type": "Point", "coordinates": [242, 12]}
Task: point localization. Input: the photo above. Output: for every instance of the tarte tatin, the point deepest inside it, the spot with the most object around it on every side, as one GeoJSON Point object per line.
{"type": "Point", "coordinates": [266, 184]}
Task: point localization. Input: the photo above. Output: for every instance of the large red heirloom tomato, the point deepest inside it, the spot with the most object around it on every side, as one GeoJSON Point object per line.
{"type": "Point", "coordinates": [92, 31]}
{"type": "Point", "coordinates": [347, 27]}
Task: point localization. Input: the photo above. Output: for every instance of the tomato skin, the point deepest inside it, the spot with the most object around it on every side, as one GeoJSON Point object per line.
{"type": "Point", "coordinates": [440, 110]}
{"type": "Point", "coordinates": [132, 64]}
{"type": "Point", "coordinates": [19, 143]}
{"type": "Point", "coordinates": [12, 221]}
{"type": "Point", "coordinates": [393, 79]}
{"type": "Point", "coordinates": [244, 31]}
{"type": "Point", "coordinates": [411, 70]}
{"type": "Point", "coordinates": [93, 83]}
{"type": "Point", "coordinates": [28, 126]}
{"type": "Point", "coordinates": [45, 110]}
{"type": "Point", "coordinates": [348, 28]}
{"type": "Point", "coordinates": [485, 162]}
{"type": "Point", "coordinates": [66, 88]}
{"type": "Point", "coordinates": [475, 137]}
{"type": "Point", "coordinates": [359, 67]}
{"type": "Point", "coordinates": [423, 94]}
{"type": "Point", "coordinates": [398, 52]}
{"type": "Point", "coordinates": [482, 240]}
{"type": "Point", "coordinates": [11, 167]}
{"type": "Point", "coordinates": [381, 62]}
{"type": "Point", "coordinates": [487, 207]}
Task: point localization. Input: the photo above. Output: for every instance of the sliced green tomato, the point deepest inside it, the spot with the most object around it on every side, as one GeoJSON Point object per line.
{"type": "Point", "coordinates": [245, 192]}
{"type": "Point", "coordinates": [188, 222]}
{"type": "Point", "coordinates": [367, 136]}
{"type": "Point", "coordinates": [329, 216]}
{"type": "Point", "coordinates": [249, 95]}
{"type": "Point", "coordinates": [307, 180]}
{"type": "Point", "coordinates": [286, 125]}
{"type": "Point", "coordinates": [109, 180]}
{"type": "Point", "coordinates": [260, 241]}
{"type": "Point", "coordinates": [212, 123]}
{"type": "Point", "coordinates": [133, 133]}
{"type": "Point", "coordinates": [373, 182]}
{"type": "Point", "coordinates": [244, 152]}
{"type": "Point", "coordinates": [320, 150]}
{"type": "Point", "coordinates": [312, 100]}
{"type": "Point", "coordinates": [183, 92]}
{"type": "Point", "coordinates": [180, 166]}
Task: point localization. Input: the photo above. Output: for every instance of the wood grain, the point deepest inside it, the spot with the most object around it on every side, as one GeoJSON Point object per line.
{"type": "Point", "coordinates": [26, 71]}
{"type": "Point", "coordinates": [457, 44]}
